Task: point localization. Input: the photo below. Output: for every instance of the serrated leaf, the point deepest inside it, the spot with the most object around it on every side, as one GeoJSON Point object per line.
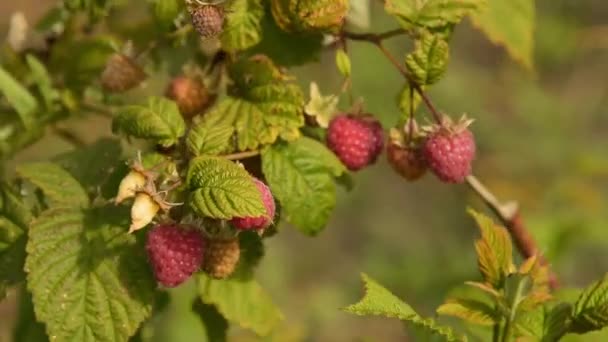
{"type": "Point", "coordinates": [322, 108]}
{"type": "Point", "coordinates": [494, 251]}
{"type": "Point", "coordinates": [56, 183]}
{"type": "Point", "coordinates": [221, 189]}
{"type": "Point", "coordinates": [544, 323]}
{"type": "Point", "coordinates": [429, 60]}
{"type": "Point", "coordinates": [19, 98]}
{"type": "Point", "coordinates": [378, 301]}
{"type": "Point", "coordinates": [43, 81]}
{"type": "Point", "coordinates": [159, 120]}
{"type": "Point", "coordinates": [241, 302]}
{"type": "Point", "coordinates": [300, 175]}
{"type": "Point", "coordinates": [205, 138]}
{"type": "Point", "coordinates": [97, 285]}
{"type": "Point", "coordinates": [590, 311]}
{"type": "Point", "coordinates": [243, 28]}
{"type": "Point", "coordinates": [470, 310]}
{"type": "Point", "coordinates": [264, 105]}
{"type": "Point", "coordinates": [431, 14]}
{"type": "Point", "coordinates": [343, 62]}
{"type": "Point", "coordinates": [166, 11]}
{"type": "Point", "coordinates": [514, 31]}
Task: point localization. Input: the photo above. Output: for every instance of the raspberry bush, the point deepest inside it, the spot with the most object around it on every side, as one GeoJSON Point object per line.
{"type": "Point", "coordinates": [216, 143]}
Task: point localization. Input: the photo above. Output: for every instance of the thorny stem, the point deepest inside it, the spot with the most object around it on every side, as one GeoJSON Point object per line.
{"type": "Point", "coordinates": [508, 214]}
{"type": "Point", "coordinates": [241, 155]}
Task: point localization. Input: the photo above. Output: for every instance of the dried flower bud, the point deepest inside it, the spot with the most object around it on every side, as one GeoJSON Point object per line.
{"type": "Point", "coordinates": [129, 185]}
{"type": "Point", "coordinates": [143, 211]}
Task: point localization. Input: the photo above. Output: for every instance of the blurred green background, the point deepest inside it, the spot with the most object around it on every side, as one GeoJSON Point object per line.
{"type": "Point", "coordinates": [542, 138]}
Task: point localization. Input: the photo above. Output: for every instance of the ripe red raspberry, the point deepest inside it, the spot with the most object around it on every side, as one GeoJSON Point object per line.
{"type": "Point", "coordinates": [261, 222]}
{"type": "Point", "coordinates": [190, 94]}
{"type": "Point", "coordinates": [221, 257]}
{"type": "Point", "coordinates": [406, 161]}
{"type": "Point", "coordinates": [121, 73]}
{"type": "Point", "coordinates": [174, 252]}
{"type": "Point", "coordinates": [356, 140]}
{"type": "Point", "coordinates": [449, 152]}
{"type": "Point", "coordinates": [208, 20]}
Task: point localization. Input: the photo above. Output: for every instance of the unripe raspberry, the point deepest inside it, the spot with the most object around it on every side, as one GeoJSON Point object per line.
{"type": "Point", "coordinates": [190, 94]}
{"type": "Point", "coordinates": [406, 161]}
{"type": "Point", "coordinates": [121, 74]}
{"type": "Point", "coordinates": [174, 252]}
{"type": "Point", "coordinates": [221, 257]}
{"type": "Point", "coordinates": [356, 140]}
{"type": "Point", "coordinates": [129, 185]}
{"type": "Point", "coordinates": [261, 222]}
{"type": "Point", "coordinates": [207, 19]}
{"type": "Point", "coordinates": [143, 211]}
{"type": "Point", "coordinates": [449, 150]}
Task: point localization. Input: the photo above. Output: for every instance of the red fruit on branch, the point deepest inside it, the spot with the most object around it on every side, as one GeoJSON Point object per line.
{"type": "Point", "coordinates": [174, 252]}
{"type": "Point", "coordinates": [208, 19]}
{"type": "Point", "coordinates": [356, 140]}
{"type": "Point", "coordinates": [406, 161]}
{"type": "Point", "coordinates": [260, 222]}
{"type": "Point", "coordinates": [190, 94]}
{"type": "Point", "coordinates": [449, 150]}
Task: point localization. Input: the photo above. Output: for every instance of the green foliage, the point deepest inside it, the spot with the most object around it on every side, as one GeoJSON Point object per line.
{"type": "Point", "coordinates": [221, 189]}
{"type": "Point", "coordinates": [159, 120]}
{"type": "Point", "coordinates": [590, 311]}
{"type": "Point", "coordinates": [378, 301]}
{"type": "Point", "coordinates": [243, 302]}
{"type": "Point", "coordinates": [56, 183]}
{"type": "Point", "coordinates": [264, 104]}
{"type": "Point", "coordinates": [207, 138]}
{"type": "Point", "coordinates": [494, 251]}
{"type": "Point", "coordinates": [165, 11]}
{"type": "Point", "coordinates": [472, 311]}
{"type": "Point", "coordinates": [429, 60]}
{"type": "Point", "coordinates": [431, 14]}
{"type": "Point", "coordinates": [24, 103]}
{"type": "Point", "coordinates": [243, 25]}
{"type": "Point", "coordinates": [96, 287]}
{"type": "Point", "coordinates": [300, 175]}
{"type": "Point", "coordinates": [514, 31]}
{"type": "Point", "coordinates": [43, 81]}
{"type": "Point", "coordinates": [343, 63]}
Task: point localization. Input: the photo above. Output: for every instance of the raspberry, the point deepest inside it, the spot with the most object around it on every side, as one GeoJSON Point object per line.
{"type": "Point", "coordinates": [190, 94]}
{"type": "Point", "coordinates": [356, 140]}
{"type": "Point", "coordinates": [406, 161]}
{"type": "Point", "coordinates": [208, 20]}
{"type": "Point", "coordinates": [261, 222]}
{"type": "Point", "coordinates": [121, 74]}
{"type": "Point", "coordinates": [221, 257]}
{"type": "Point", "coordinates": [449, 152]}
{"type": "Point", "coordinates": [175, 253]}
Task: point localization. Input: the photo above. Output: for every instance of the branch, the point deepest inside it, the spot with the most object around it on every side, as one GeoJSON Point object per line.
{"type": "Point", "coordinates": [241, 155]}
{"type": "Point", "coordinates": [508, 213]}
{"type": "Point", "coordinates": [374, 37]}
{"type": "Point", "coordinates": [68, 136]}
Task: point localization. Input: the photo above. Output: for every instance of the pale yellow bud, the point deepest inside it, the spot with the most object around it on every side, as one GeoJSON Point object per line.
{"type": "Point", "coordinates": [129, 185]}
{"type": "Point", "coordinates": [143, 211]}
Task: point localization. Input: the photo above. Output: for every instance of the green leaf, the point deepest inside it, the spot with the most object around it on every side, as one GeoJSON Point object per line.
{"type": "Point", "coordinates": [56, 183]}
{"type": "Point", "coordinates": [557, 322]}
{"type": "Point", "coordinates": [216, 323]}
{"type": "Point", "coordinates": [494, 251]}
{"type": "Point", "coordinates": [221, 189]}
{"type": "Point", "coordinates": [242, 302]}
{"type": "Point", "coordinates": [243, 28]}
{"type": "Point", "coordinates": [470, 310]}
{"type": "Point", "coordinates": [405, 99]}
{"type": "Point", "coordinates": [43, 81]}
{"type": "Point", "coordinates": [591, 309]}
{"type": "Point", "coordinates": [378, 301]}
{"type": "Point", "coordinates": [343, 62]}
{"type": "Point", "coordinates": [431, 14]}
{"type": "Point", "coordinates": [159, 120]}
{"type": "Point", "coordinates": [514, 31]}
{"type": "Point", "coordinates": [97, 285]}
{"type": "Point", "coordinates": [264, 105]}
{"type": "Point", "coordinates": [205, 138]}
{"type": "Point", "coordinates": [285, 48]}
{"type": "Point", "coordinates": [300, 175]}
{"type": "Point", "coordinates": [19, 97]}
{"type": "Point", "coordinates": [166, 11]}
{"type": "Point", "coordinates": [429, 61]}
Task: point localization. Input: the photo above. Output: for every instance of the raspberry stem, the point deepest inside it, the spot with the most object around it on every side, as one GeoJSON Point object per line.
{"type": "Point", "coordinates": [241, 155]}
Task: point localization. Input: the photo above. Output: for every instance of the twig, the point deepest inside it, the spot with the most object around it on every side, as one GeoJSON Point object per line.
{"type": "Point", "coordinates": [241, 155]}
{"type": "Point", "coordinates": [510, 216]}
{"type": "Point", "coordinates": [508, 213]}
{"type": "Point", "coordinates": [68, 136]}
{"type": "Point", "coordinates": [97, 108]}
{"type": "Point", "coordinates": [375, 37]}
